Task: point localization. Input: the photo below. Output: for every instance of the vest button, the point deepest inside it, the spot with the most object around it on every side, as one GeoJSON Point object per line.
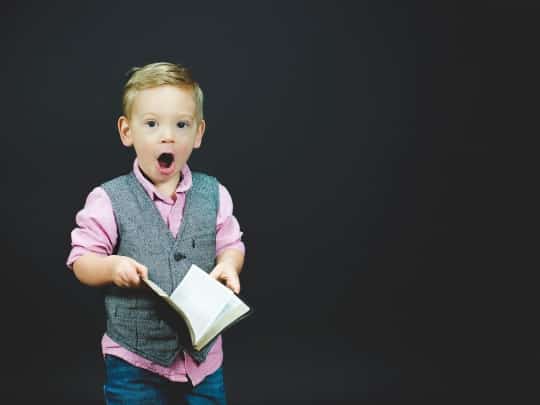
{"type": "Point", "coordinates": [178, 256]}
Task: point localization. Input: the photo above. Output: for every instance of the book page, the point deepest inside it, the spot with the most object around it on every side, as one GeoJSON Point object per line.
{"type": "Point", "coordinates": [234, 309]}
{"type": "Point", "coordinates": [202, 299]}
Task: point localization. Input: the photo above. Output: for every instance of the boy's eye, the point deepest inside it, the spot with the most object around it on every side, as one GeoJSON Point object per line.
{"type": "Point", "coordinates": [151, 124]}
{"type": "Point", "coordinates": [182, 124]}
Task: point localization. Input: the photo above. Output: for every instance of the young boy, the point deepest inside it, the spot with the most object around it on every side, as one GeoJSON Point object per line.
{"type": "Point", "coordinates": [155, 222]}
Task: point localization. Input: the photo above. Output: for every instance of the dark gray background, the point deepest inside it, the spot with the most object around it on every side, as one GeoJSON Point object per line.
{"type": "Point", "coordinates": [376, 155]}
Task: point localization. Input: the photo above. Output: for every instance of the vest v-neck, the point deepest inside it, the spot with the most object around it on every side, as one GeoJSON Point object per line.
{"type": "Point", "coordinates": [152, 210]}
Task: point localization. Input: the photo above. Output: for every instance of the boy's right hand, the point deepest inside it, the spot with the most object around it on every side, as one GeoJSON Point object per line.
{"type": "Point", "coordinates": [126, 272]}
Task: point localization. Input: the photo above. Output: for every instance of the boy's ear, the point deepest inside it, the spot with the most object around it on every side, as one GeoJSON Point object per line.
{"type": "Point", "coordinates": [124, 131]}
{"type": "Point", "coordinates": [200, 132]}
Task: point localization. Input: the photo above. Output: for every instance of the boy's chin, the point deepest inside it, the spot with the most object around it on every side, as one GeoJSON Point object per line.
{"type": "Point", "coordinates": [163, 178]}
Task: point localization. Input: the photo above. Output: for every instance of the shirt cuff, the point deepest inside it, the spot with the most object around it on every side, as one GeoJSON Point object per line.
{"type": "Point", "coordinates": [77, 252]}
{"type": "Point", "coordinates": [239, 245]}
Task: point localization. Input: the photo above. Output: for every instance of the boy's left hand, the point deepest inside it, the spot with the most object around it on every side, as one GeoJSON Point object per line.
{"type": "Point", "coordinates": [228, 275]}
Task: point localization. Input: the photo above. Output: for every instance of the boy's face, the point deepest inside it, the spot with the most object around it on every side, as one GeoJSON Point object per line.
{"type": "Point", "coordinates": [163, 130]}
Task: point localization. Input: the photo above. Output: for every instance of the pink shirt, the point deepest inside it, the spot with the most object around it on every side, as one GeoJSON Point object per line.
{"type": "Point", "coordinates": [96, 232]}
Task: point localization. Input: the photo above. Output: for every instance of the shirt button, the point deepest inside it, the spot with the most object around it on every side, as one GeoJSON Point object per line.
{"type": "Point", "coordinates": [178, 256]}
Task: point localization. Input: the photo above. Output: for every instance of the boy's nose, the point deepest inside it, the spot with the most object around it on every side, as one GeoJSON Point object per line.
{"type": "Point", "coordinates": [167, 136]}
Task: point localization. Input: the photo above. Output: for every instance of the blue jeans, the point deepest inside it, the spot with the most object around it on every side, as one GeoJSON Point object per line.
{"type": "Point", "coordinates": [127, 384]}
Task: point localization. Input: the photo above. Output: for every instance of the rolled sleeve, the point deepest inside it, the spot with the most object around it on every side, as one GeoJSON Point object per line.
{"type": "Point", "coordinates": [96, 230]}
{"type": "Point", "coordinates": [228, 233]}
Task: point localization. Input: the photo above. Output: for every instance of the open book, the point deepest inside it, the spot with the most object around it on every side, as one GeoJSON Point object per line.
{"type": "Point", "coordinates": [206, 305]}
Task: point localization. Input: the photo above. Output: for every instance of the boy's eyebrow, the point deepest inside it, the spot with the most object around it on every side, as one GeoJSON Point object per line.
{"type": "Point", "coordinates": [179, 115]}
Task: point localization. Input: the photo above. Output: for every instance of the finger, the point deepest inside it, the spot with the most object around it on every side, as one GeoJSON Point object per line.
{"type": "Point", "coordinates": [124, 280]}
{"type": "Point", "coordinates": [142, 271]}
{"type": "Point", "coordinates": [132, 278]}
{"type": "Point", "coordinates": [137, 271]}
{"type": "Point", "coordinates": [215, 273]}
{"type": "Point", "coordinates": [234, 285]}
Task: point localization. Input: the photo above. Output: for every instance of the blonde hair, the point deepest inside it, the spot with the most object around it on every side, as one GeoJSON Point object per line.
{"type": "Point", "coordinates": [159, 74]}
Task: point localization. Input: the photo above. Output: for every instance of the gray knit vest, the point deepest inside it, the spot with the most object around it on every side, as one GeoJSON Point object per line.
{"type": "Point", "coordinates": [137, 319]}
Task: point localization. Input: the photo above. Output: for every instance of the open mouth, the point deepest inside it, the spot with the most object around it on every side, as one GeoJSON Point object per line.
{"type": "Point", "coordinates": [165, 160]}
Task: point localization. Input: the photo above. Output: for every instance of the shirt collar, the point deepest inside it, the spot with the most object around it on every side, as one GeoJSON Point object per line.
{"type": "Point", "coordinates": [183, 186]}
